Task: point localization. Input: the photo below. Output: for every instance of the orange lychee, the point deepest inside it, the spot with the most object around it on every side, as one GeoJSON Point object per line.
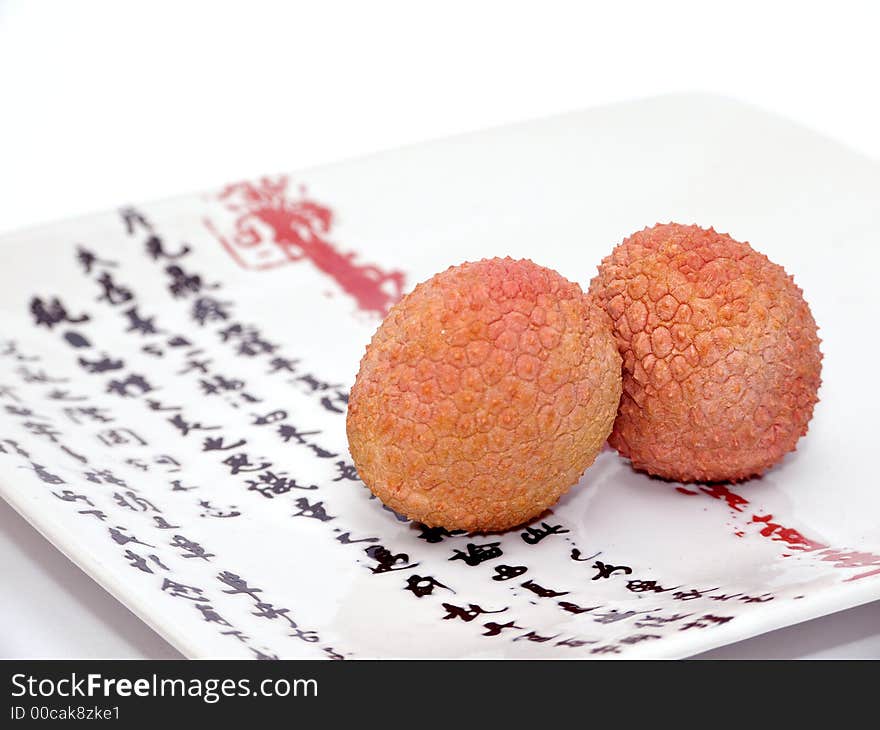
{"type": "Point", "coordinates": [484, 395]}
{"type": "Point", "coordinates": [721, 361]}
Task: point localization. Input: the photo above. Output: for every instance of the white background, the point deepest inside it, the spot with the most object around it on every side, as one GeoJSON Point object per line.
{"type": "Point", "coordinates": [103, 102]}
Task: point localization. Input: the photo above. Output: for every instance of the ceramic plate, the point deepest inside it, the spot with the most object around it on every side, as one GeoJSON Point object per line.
{"type": "Point", "coordinates": [174, 377]}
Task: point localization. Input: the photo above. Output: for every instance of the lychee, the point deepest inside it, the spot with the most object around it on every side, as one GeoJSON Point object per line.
{"type": "Point", "coordinates": [721, 361]}
{"type": "Point", "coordinates": [484, 395]}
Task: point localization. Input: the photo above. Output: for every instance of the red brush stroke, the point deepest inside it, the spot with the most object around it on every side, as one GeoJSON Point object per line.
{"type": "Point", "coordinates": [788, 535]}
{"type": "Point", "coordinates": [853, 559]}
{"type": "Point", "coordinates": [297, 230]}
{"type": "Point", "coordinates": [735, 501]}
{"type": "Point", "coordinates": [795, 540]}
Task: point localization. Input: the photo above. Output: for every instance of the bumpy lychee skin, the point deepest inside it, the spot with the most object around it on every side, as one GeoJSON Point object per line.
{"type": "Point", "coordinates": [721, 361]}
{"type": "Point", "coordinates": [484, 396]}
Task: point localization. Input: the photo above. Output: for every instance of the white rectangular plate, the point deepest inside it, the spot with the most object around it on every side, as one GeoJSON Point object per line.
{"type": "Point", "coordinates": [173, 380]}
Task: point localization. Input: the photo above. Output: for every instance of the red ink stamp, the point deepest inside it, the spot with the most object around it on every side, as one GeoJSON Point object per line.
{"type": "Point", "coordinates": [272, 228]}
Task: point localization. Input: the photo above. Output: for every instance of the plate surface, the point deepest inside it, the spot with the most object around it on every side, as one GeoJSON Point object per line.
{"type": "Point", "coordinates": [173, 382]}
